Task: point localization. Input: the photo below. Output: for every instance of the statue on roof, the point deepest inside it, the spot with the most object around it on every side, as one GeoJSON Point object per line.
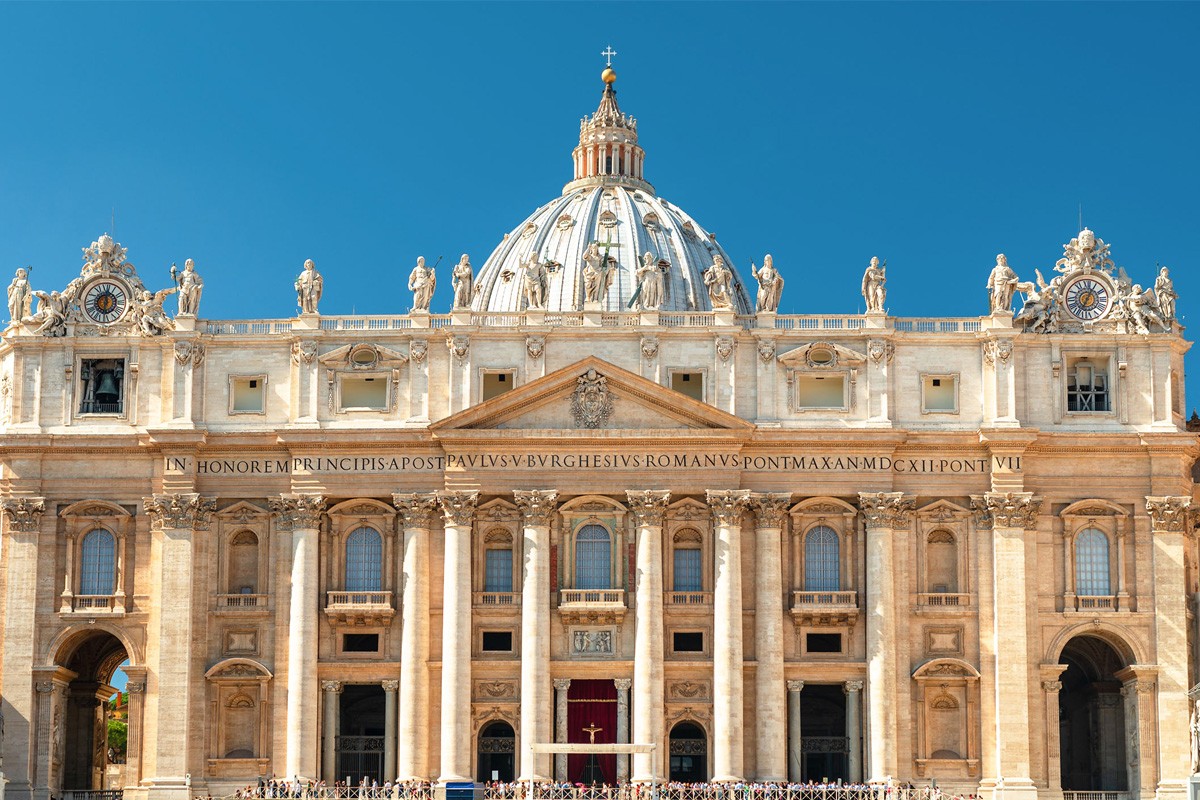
{"type": "Point", "coordinates": [51, 316]}
{"type": "Point", "coordinates": [190, 285]}
{"type": "Point", "coordinates": [149, 314]}
{"type": "Point", "coordinates": [873, 290]}
{"type": "Point", "coordinates": [650, 282]}
{"type": "Point", "coordinates": [20, 298]}
{"type": "Point", "coordinates": [770, 285]}
{"type": "Point", "coordinates": [719, 279]}
{"type": "Point", "coordinates": [1002, 285]}
{"type": "Point", "coordinates": [598, 273]}
{"type": "Point", "coordinates": [462, 280]}
{"type": "Point", "coordinates": [1164, 293]}
{"type": "Point", "coordinates": [309, 285]}
{"type": "Point", "coordinates": [1085, 252]}
{"type": "Point", "coordinates": [422, 282]}
{"type": "Point", "coordinates": [535, 282]}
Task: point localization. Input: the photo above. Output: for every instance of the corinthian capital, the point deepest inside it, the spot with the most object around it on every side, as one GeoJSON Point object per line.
{"type": "Point", "coordinates": [459, 507]}
{"type": "Point", "coordinates": [1007, 509]}
{"type": "Point", "coordinates": [187, 511]}
{"type": "Point", "coordinates": [727, 505]}
{"type": "Point", "coordinates": [770, 509]}
{"type": "Point", "coordinates": [891, 510]}
{"type": "Point", "coordinates": [416, 510]}
{"type": "Point", "coordinates": [649, 506]}
{"type": "Point", "coordinates": [302, 511]}
{"type": "Point", "coordinates": [24, 514]}
{"type": "Point", "coordinates": [1168, 514]}
{"type": "Point", "coordinates": [537, 506]}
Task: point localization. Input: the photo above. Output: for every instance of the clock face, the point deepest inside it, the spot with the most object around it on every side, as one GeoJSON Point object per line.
{"type": "Point", "coordinates": [1087, 299]}
{"type": "Point", "coordinates": [105, 301]}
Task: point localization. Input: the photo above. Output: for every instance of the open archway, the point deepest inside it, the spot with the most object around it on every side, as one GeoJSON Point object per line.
{"type": "Point", "coordinates": [497, 752]}
{"type": "Point", "coordinates": [689, 753]}
{"type": "Point", "coordinates": [1093, 724]}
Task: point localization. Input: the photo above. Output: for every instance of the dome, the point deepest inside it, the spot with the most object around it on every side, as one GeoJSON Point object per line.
{"type": "Point", "coordinates": [607, 208]}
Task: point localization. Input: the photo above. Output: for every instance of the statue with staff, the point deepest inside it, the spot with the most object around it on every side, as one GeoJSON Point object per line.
{"type": "Point", "coordinates": [190, 286]}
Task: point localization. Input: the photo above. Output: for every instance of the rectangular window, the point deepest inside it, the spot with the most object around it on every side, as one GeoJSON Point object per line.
{"type": "Point", "coordinates": [821, 391]}
{"type": "Point", "coordinates": [101, 386]}
{"type": "Point", "coordinates": [497, 641]}
{"type": "Point", "coordinates": [497, 574]}
{"type": "Point", "coordinates": [369, 393]}
{"type": "Point", "coordinates": [1087, 387]}
{"type": "Point", "coordinates": [497, 383]}
{"type": "Point", "coordinates": [360, 643]}
{"type": "Point", "coordinates": [939, 394]}
{"type": "Point", "coordinates": [823, 642]}
{"type": "Point", "coordinates": [689, 383]}
{"type": "Point", "coordinates": [688, 642]}
{"type": "Point", "coordinates": [246, 394]}
{"type": "Point", "coordinates": [687, 576]}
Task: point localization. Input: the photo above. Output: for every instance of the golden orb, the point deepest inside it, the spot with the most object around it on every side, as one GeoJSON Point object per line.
{"type": "Point", "coordinates": [609, 75]}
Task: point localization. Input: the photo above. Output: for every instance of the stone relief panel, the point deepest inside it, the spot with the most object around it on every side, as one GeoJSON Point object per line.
{"type": "Point", "coordinates": [592, 642]}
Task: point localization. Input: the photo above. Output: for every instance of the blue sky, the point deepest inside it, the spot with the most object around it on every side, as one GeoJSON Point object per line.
{"type": "Point", "coordinates": [252, 136]}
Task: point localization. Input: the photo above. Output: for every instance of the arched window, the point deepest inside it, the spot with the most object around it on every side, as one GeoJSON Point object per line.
{"type": "Point", "coordinates": [941, 557]}
{"type": "Point", "coordinates": [822, 561]}
{"type": "Point", "coordinates": [687, 573]}
{"type": "Point", "coordinates": [1091, 564]}
{"type": "Point", "coordinates": [243, 563]}
{"type": "Point", "coordinates": [364, 561]}
{"type": "Point", "coordinates": [97, 563]}
{"type": "Point", "coordinates": [593, 558]}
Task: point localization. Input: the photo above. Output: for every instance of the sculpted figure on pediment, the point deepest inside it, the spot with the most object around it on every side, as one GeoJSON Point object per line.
{"type": "Point", "coordinates": [535, 282]}
{"type": "Point", "coordinates": [650, 282]}
{"type": "Point", "coordinates": [1164, 292]}
{"type": "Point", "coordinates": [718, 279]}
{"type": "Point", "coordinates": [149, 313]}
{"type": "Point", "coordinates": [51, 316]}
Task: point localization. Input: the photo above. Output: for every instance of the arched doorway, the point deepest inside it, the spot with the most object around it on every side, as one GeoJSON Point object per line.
{"type": "Point", "coordinates": [81, 707]}
{"type": "Point", "coordinates": [689, 753]}
{"type": "Point", "coordinates": [497, 749]}
{"type": "Point", "coordinates": [1092, 721]}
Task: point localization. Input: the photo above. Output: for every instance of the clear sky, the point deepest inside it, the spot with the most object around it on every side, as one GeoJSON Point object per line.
{"type": "Point", "coordinates": [250, 137]}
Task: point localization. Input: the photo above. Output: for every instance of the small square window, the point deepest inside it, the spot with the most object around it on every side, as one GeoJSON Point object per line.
{"type": "Point", "coordinates": [689, 383]}
{"type": "Point", "coordinates": [939, 394]}
{"type": "Point", "coordinates": [368, 393]}
{"type": "Point", "coordinates": [497, 641]}
{"type": "Point", "coordinates": [496, 384]}
{"type": "Point", "coordinates": [360, 643]}
{"type": "Point", "coordinates": [688, 642]}
{"type": "Point", "coordinates": [246, 394]}
{"type": "Point", "coordinates": [821, 391]}
{"type": "Point", "coordinates": [823, 642]}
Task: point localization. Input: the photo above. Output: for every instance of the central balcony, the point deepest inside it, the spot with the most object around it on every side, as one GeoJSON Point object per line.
{"type": "Point", "coordinates": [359, 608]}
{"type": "Point", "coordinates": [591, 606]}
{"type": "Point", "coordinates": [825, 608]}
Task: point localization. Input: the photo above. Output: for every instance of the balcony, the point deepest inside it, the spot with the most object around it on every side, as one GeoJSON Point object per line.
{"type": "Point", "coordinates": [935, 602]}
{"type": "Point", "coordinates": [496, 600]}
{"type": "Point", "coordinates": [258, 601]}
{"type": "Point", "coordinates": [825, 608]}
{"type": "Point", "coordinates": [591, 606]}
{"type": "Point", "coordinates": [1096, 603]}
{"type": "Point", "coordinates": [93, 604]}
{"type": "Point", "coordinates": [1070, 795]}
{"type": "Point", "coordinates": [688, 599]}
{"type": "Point", "coordinates": [359, 608]}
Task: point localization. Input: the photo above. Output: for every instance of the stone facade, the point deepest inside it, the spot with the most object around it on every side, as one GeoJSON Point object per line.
{"type": "Point", "coordinates": [774, 547]}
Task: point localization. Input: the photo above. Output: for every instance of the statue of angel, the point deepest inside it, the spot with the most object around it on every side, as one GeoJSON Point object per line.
{"type": "Point", "coordinates": [1038, 311]}
{"type": "Point", "coordinates": [149, 311]}
{"type": "Point", "coordinates": [1140, 306]}
{"type": "Point", "coordinates": [51, 316]}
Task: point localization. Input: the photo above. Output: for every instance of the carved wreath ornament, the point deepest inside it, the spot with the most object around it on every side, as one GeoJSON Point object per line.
{"type": "Point", "coordinates": [592, 403]}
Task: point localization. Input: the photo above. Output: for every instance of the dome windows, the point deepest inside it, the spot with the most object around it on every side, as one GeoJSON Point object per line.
{"type": "Point", "coordinates": [565, 222]}
{"type": "Point", "coordinates": [651, 220]}
{"type": "Point", "coordinates": [608, 219]}
{"type": "Point", "coordinates": [529, 230]}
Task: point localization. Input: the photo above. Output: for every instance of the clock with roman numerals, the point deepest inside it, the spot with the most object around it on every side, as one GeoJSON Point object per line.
{"type": "Point", "coordinates": [1087, 298]}
{"type": "Point", "coordinates": [105, 301]}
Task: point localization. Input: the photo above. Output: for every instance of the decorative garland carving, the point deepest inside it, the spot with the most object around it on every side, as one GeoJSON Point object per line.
{"type": "Point", "coordinates": [187, 511]}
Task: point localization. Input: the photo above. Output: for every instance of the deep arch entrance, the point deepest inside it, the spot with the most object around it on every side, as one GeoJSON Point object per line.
{"type": "Point", "coordinates": [1093, 724]}
{"type": "Point", "coordinates": [689, 753]}
{"type": "Point", "coordinates": [80, 710]}
{"type": "Point", "coordinates": [497, 751]}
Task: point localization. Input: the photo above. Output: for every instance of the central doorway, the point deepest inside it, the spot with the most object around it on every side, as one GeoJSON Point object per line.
{"type": "Point", "coordinates": [592, 717]}
{"type": "Point", "coordinates": [689, 753]}
{"type": "Point", "coordinates": [825, 749]}
{"type": "Point", "coordinates": [360, 742]}
{"type": "Point", "coordinates": [1093, 728]}
{"type": "Point", "coordinates": [87, 711]}
{"type": "Point", "coordinates": [497, 752]}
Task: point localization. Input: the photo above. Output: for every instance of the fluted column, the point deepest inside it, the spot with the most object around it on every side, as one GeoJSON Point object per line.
{"type": "Point", "coordinates": [389, 728]}
{"type": "Point", "coordinates": [622, 685]}
{"type": "Point", "coordinates": [301, 514]}
{"type": "Point", "coordinates": [648, 508]}
{"type": "Point", "coordinates": [885, 513]}
{"type": "Point", "coordinates": [561, 686]}
{"type": "Point", "coordinates": [770, 743]}
{"type": "Point", "coordinates": [537, 511]}
{"type": "Point", "coordinates": [459, 508]}
{"type": "Point", "coordinates": [1012, 516]}
{"type": "Point", "coordinates": [331, 727]}
{"type": "Point", "coordinates": [174, 519]}
{"type": "Point", "coordinates": [728, 732]}
{"type": "Point", "coordinates": [795, 741]}
{"type": "Point", "coordinates": [853, 691]}
{"type": "Point", "coordinates": [416, 517]}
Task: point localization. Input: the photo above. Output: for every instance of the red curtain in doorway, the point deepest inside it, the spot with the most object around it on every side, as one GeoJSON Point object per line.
{"type": "Point", "coordinates": [592, 704]}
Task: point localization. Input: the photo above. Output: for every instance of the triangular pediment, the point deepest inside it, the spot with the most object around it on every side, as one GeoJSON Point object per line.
{"type": "Point", "coordinates": [592, 396]}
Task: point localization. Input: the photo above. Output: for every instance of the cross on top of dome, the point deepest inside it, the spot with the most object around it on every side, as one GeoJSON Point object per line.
{"type": "Point", "coordinates": [608, 54]}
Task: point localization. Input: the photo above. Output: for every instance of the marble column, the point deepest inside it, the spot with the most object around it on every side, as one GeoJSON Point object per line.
{"type": "Point", "coordinates": [795, 741]}
{"type": "Point", "coordinates": [854, 691]}
{"type": "Point", "coordinates": [561, 686]}
{"type": "Point", "coordinates": [885, 514]}
{"type": "Point", "coordinates": [771, 748]}
{"type": "Point", "coordinates": [174, 519]}
{"type": "Point", "coordinates": [331, 726]}
{"type": "Point", "coordinates": [1169, 523]}
{"type": "Point", "coordinates": [459, 508]}
{"type": "Point", "coordinates": [537, 511]}
{"type": "Point", "coordinates": [301, 514]}
{"type": "Point", "coordinates": [728, 730]}
{"type": "Point", "coordinates": [416, 517]}
{"type": "Point", "coordinates": [622, 685]}
{"type": "Point", "coordinates": [649, 508]}
{"type": "Point", "coordinates": [1013, 517]}
{"type": "Point", "coordinates": [389, 728]}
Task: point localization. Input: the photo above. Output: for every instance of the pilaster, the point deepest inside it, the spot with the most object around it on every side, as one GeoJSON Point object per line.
{"type": "Point", "coordinates": [795, 739]}
{"type": "Point", "coordinates": [331, 726]}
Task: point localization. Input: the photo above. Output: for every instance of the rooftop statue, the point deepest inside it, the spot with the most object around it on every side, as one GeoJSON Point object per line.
{"type": "Point", "coordinates": [535, 282]}
{"type": "Point", "coordinates": [422, 282]}
{"type": "Point", "coordinates": [1038, 310]}
{"type": "Point", "coordinates": [598, 274]}
{"type": "Point", "coordinates": [650, 282]}
{"type": "Point", "coordinates": [873, 290]}
{"type": "Point", "coordinates": [1085, 252]}
{"type": "Point", "coordinates": [462, 281]}
{"type": "Point", "coordinates": [148, 311]}
{"type": "Point", "coordinates": [309, 285]}
{"type": "Point", "coordinates": [770, 285]}
{"type": "Point", "coordinates": [1140, 306]}
{"type": "Point", "coordinates": [718, 279]}
{"type": "Point", "coordinates": [20, 298]}
{"type": "Point", "coordinates": [51, 316]}
{"type": "Point", "coordinates": [1164, 292]}
{"type": "Point", "coordinates": [1002, 284]}
{"type": "Point", "coordinates": [191, 286]}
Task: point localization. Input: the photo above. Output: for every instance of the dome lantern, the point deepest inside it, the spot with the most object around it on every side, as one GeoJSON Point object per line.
{"type": "Point", "coordinates": [608, 151]}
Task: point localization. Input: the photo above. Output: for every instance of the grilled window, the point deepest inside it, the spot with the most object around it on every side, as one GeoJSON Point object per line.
{"type": "Point", "coordinates": [593, 558]}
{"type": "Point", "coordinates": [822, 560]}
{"type": "Point", "coordinates": [97, 563]}
{"type": "Point", "coordinates": [364, 561]}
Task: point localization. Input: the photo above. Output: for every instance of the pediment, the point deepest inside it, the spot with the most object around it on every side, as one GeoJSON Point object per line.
{"type": "Point", "coordinates": [242, 511]}
{"type": "Point", "coordinates": [362, 356]}
{"type": "Point", "coordinates": [943, 511]}
{"type": "Point", "coordinates": [591, 396]}
{"type": "Point", "coordinates": [821, 355]}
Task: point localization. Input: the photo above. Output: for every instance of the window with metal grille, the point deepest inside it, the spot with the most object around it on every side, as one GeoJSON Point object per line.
{"type": "Point", "coordinates": [687, 576]}
{"type": "Point", "coordinates": [1087, 388]}
{"type": "Point", "coordinates": [97, 562]}
{"type": "Point", "coordinates": [497, 572]}
{"type": "Point", "coordinates": [593, 558]}
{"type": "Point", "coordinates": [364, 561]}
{"type": "Point", "coordinates": [821, 560]}
{"type": "Point", "coordinates": [1091, 564]}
